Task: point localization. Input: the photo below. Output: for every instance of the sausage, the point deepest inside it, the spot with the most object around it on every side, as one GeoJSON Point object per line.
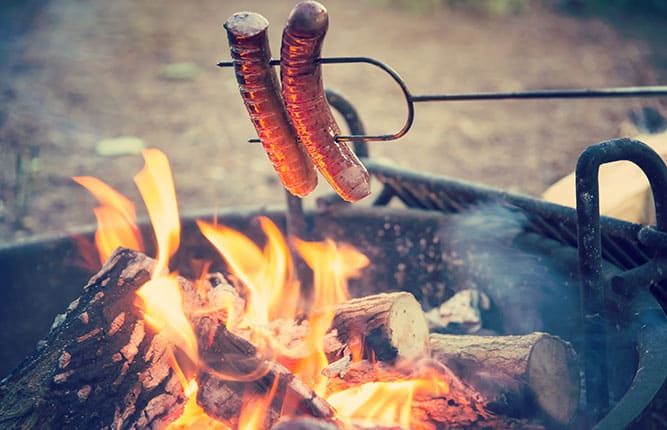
{"type": "Point", "coordinates": [260, 90]}
{"type": "Point", "coordinates": [303, 93]}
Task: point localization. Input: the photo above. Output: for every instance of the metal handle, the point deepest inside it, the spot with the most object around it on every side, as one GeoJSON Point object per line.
{"type": "Point", "coordinates": [411, 99]}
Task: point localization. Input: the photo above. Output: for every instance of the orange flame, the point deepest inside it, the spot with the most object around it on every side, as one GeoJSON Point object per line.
{"type": "Point", "coordinates": [384, 403]}
{"type": "Point", "coordinates": [156, 186]}
{"type": "Point", "coordinates": [268, 274]}
{"type": "Point", "coordinates": [272, 292]}
{"type": "Point", "coordinates": [116, 218]}
{"type": "Point", "coordinates": [333, 265]}
{"type": "Point", "coordinates": [194, 417]}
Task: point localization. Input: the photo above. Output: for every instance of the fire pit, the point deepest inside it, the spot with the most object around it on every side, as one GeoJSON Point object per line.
{"type": "Point", "coordinates": [410, 252]}
{"type": "Point", "coordinates": [445, 237]}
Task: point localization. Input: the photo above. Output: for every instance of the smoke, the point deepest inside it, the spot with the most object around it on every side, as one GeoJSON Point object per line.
{"type": "Point", "coordinates": [532, 281]}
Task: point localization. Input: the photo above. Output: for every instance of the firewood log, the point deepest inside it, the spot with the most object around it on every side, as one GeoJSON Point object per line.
{"type": "Point", "coordinates": [515, 372]}
{"type": "Point", "coordinates": [101, 366]}
{"type": "Point", "coordinates": [456, 406]}
{"type": "Point", "coordinates": [233, 370]}
{"type": "Point", "coordinates": [386, 327]}
{"type": "Point", "coordinates": [392, 325]}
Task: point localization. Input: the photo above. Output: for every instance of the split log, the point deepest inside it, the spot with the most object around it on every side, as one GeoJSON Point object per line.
{"type": "Point", "coordinates": [234, 373]}
{"type": "Point", "coordinates": [447, 403]}
{"type": "Point", "coordinates": [392, 325]}
{"type": "Point", "coordinates": [460, 314]}
{"type": "Point", "coordinates": [384, 327]}
{"type": "Point", "coordinates": [315, 424]}
{"type": "Point", "coordinates": [515, 372]}
{"type": "Point", "coordinates": [455, 405]}
{"type": "Point", "coordinates": [101, 366]}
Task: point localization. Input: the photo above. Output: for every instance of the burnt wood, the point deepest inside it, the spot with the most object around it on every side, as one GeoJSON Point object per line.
{"type": "Point", "coordinates": [100, 366]}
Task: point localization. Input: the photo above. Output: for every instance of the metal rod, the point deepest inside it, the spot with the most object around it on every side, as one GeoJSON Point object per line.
{"type": "Point", "coordinates": [593, 290]}
{"type": "Point", "coordinates": [615, 92]}
{"type": "Point", "coordinates": [410, 99]}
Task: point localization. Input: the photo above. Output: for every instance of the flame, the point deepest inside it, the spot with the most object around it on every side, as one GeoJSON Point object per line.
{"type": "Point", "coordinates": [163, 310]}
{"type": "Point", "coordinates": [116, 218]}
{"type": "Point", "coordinates": [384, 403]}
{"type": "Point", "coordinates": [333, 265]}
{"type": "Point", "coordinates": [194, 417]}
{"type": "Point", "coordinates": [272, 292]}
{"type": "Point", "coordinates": [156, 186]}
{"type": "Point", "coordinates": [268, 274]}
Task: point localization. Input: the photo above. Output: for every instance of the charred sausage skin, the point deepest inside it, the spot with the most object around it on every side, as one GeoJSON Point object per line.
{"type": "Point", "coordinates": [303, 93]}
{"type": "Point", "coordinates": [260, 90]}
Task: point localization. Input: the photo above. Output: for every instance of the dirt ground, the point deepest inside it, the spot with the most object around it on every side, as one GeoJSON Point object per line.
{"type": "Point", "coordinates": [75, 72]}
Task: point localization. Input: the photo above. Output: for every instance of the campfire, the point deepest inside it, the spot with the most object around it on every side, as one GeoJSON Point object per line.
{"type": "Point", "coordinates": [382, 327]}
{"type": "Point", "coordinates": [255, 347]}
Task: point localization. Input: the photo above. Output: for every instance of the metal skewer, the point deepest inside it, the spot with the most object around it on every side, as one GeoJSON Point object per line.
{"type": "Point", "coordinates": [410, 99]}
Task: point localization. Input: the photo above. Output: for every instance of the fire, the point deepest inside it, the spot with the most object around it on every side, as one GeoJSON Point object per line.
{"type": "Point", "coordinates": [383, 403]}
{"type": "Point", "coordinates": [116, 218]}
{"type": "Point", "coordinates": [194, 417]}
{"type": "Point", "coordinates": [270, 289]}
{"type": "Point", "coordinates": [156, 186]}
{"type": "Point", "coordinates": [268, 274]}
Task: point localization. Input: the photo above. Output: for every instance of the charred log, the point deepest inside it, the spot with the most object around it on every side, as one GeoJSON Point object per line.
{"type": "Point", "coordinates": [101, 366]}
{"type": "Point", "coordinates": [235, 372]}
{"type": "Point", "coordinates": [515, 372]}
{"type": "Point", "coordinates": [453, 405]}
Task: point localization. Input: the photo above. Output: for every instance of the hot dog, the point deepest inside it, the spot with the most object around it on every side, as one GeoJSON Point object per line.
{"type": "Point", "coordinates": [303, 93]}
{"type": "Point", "coordinates": [260, 90]}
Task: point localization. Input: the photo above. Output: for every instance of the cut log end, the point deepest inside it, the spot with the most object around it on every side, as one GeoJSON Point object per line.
{"type": "Point", "coordinates": [392, 325]}
{"type": "Point", "coordinates": [553, 377]}
{"type": "Point", "coordinates": [408, 327]}
{"type": "Point", "coordinates": [511, 370]}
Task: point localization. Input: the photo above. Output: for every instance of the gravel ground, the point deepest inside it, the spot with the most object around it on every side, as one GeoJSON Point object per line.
{"type": "Point", "coordinates": [78, 72]}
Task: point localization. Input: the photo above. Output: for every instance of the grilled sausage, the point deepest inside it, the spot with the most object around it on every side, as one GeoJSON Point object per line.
{"type": "Point", "coordinates": [260, 90]}
{"type": "Point", "coordinates": [306, 103]}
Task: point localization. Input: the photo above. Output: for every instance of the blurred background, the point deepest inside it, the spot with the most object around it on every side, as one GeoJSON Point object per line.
{"type": "Point", "coordinates": [85, 85]}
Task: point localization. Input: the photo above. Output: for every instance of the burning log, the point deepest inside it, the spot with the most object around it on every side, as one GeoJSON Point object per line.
{"type": "Point", "coordinates": [101, 366]}
{"type": "Point", "coordinates": [439, 398]}
{"type": "Point", "coordinates": [386, 326]}
{"type": "Point", "coordinates": [515, 372]}
{"type": "Point", "coordinates": [234, 370]}
{"type": "Point", "coordinates": [392, 325]}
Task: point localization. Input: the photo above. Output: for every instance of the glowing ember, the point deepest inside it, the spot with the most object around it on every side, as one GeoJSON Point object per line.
{"type": "Point", "coordinates": [194, 417]}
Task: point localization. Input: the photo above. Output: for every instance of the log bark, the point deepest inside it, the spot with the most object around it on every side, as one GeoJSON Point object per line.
{"type": "Point", "coordinates": [234, 373]}
{"type": "Point", "coordinates": [457, 406]}
{"type": "Point", "coordinates": [317, 424]}
{"type": "Point", "coordinates": [101, 366]}
{"type": "Point", "coordinates": [515, 372]}
{"type": "Point", "coordinates": [392, 325]}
